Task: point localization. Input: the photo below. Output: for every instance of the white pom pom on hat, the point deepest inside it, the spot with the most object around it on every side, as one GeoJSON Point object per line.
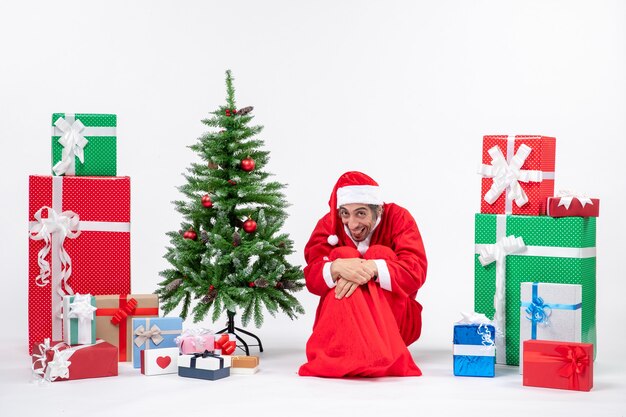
{"type": "Point", "coordinates": [351, 187]}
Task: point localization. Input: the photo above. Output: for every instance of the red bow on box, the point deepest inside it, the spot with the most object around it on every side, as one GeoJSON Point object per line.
{"type": "Point", "coordinates": [576, 361]}
{"type": "Point", "coordinates": [124, 312]}
{"type": "Point", "coordinates": [226, 343]}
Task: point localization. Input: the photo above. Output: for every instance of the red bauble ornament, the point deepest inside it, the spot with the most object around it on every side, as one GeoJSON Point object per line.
{"type": "Point", "coordinates": [231, 182]}
{"type": "Point", "coordinates": [234, 111]}
{"type": "Point", "coordinates": [251, 284]}
{"type": "Point", "coordinates": [211, 287]}
{"type": "Point", "coordinates": [227, 112]}
{"type": "Point", "coordinates": [190, 234]}
{"type": "Point", "coordinates": [247, 164]}
{"type": "Point", "coordinates": [249, 226]}
{"type": "Point", "coordinates": [206, 201]}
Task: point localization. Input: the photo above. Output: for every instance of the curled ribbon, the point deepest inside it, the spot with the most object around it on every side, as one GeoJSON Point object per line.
{"type": "Point", "coordinates": [144, 336]}
{"type": "Point", "coordinates": [485, 335]}
{"type": "Point", "coordinates": [58, 367]}
{"type": "Point", "coordinates": [199, 339]}
{"type": "Point", "coordinates": [73, 143]}
{"type": "Point", "coordinates": [497, 253]}
{"type": "Point", "coordinates": [122, 313]}
{"type": "Point", "coordinates": [567, 196]}
{"type": "Point", "coordinates": [538, 311]}
{"type": "Point", "coordinates": [81, 308]}
{"type": "Point", "coordinates": [508, 175]}
{"type": "Point", "coordinates": [65, 225]}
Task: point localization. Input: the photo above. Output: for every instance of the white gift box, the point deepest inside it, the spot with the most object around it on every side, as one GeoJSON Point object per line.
{"type": "Point", "coordinates": [159, 361]}
{"type": "Point", "coordinates": [550, 312]}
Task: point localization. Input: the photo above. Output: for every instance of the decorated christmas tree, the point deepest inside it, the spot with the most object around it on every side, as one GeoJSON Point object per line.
{"type": "Point", "coordinates": [230, 254]}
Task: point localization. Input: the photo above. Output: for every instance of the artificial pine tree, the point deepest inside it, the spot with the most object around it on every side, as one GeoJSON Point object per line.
{"type": "Point", "coordinates": [230, 254]}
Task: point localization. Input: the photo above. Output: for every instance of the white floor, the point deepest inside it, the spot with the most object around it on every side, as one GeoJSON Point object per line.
{"type": "Point", "coordinates": [276, 391]}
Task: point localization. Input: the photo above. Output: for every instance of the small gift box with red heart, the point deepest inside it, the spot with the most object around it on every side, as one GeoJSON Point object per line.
{"type": "Point", "coordinates": [570, 204]}
{"type": "Point", "coordinates": [159, 361]}
{"type": "Point", "coordinates": [225, 344]}
{"type": "Point", "coordinates": [556, 364]}
{"type": "Point", "coordinates": [196, 341]}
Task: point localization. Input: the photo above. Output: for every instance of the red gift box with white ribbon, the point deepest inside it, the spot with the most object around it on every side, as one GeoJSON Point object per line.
{"type": "Point", "coordinates": [79, 243]}
{"type": "Point", "coordinates": [518, 174]}
{"type": "Point", "coordinates": [572, 204]}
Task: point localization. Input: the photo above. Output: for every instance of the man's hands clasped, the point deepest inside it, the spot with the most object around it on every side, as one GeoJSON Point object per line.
{"type": "Point", "coordinates": [349, 273]}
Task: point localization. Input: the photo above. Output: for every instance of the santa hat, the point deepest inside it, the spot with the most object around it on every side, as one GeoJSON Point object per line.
{"type": "Point", "coordinates": [351, 187]}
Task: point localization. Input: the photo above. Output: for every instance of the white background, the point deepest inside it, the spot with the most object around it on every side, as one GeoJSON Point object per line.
{"type": "Point", "coordinates": [401, 90]}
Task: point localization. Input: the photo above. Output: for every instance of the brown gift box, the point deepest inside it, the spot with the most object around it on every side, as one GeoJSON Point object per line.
{"type": "Point", "coordinates": [242, 361]}
{"type": "Point", "coordinates": [114, 316]}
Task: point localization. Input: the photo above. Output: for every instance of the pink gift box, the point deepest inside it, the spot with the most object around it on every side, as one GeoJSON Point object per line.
{"type": "Point", "coordinates": [195, 341]}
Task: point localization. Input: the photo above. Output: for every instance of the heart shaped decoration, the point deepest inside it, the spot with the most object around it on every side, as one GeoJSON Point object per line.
{"type": "Point", "coordinates": [163, 361]}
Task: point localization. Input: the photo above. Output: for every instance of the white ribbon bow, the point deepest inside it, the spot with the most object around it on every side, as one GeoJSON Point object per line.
{"type": "Point", "coordinates": [73, 143]}
{"type": "Point", "coordinates": [58, 367]}
{"type": "Point", "coordinates": [568, 195]}
{"type": "Point", "coordinates": [508, 175]}
{"type": "Point", "coordinates": [81, 308]}
{"type": "Point", "coordinates": [144, 336]}
{"type": "Point", "coordinates": [64, 225]}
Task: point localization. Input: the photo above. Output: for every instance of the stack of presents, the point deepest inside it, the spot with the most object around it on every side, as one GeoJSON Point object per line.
{"type": "Point", "coordinates": [534, 273]}
{"type": "Point", "coordinates": [82, 317]}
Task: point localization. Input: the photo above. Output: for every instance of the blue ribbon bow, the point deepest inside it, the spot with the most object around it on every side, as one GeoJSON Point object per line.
{"type": "Point", "coordinates": [538, 311]}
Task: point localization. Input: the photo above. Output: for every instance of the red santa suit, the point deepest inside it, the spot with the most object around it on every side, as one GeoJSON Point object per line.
{"type": "Point", "coordinates": [366, 334]}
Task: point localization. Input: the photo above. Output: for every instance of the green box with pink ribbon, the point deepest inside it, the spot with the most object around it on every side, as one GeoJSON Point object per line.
{"type": "Point", "coordinates": [84, 144]}
{"type": "Point", "coordinates": [512, 249]}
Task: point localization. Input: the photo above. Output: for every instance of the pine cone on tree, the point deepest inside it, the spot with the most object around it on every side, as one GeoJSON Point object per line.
{"type": "Point", "coordinates": [210, 296]}
{"type": "Point", "coordinates": [245, 110]}
{"type": "Point", "coordinates": [236, 239]}
{"type": "Point", "coordinates": [289, 285]}
{"type": "Point", "coordinates": [173, 285]}
{"type": "Point", "coordinates": [261, 283]}
{"type": "Point", "coordinates": [204, 237]}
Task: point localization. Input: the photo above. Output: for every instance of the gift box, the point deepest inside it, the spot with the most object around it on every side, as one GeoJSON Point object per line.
{"type": "Point", "coordinates": [557, 364]}
{"type": "Point", "coordinates": [518, 174]}
{"type": "Point", "coordinates": [474, 350]}
{"type": "Point", "coordinates": [57, 361]}
{"type": "Point", "coordinates": [114, 318]}
{"type": "Point", "coordinates": [225, 344]}
{"type": "Point", "coordinates": [196, 341]}
{"type": "Point", "coordinates": [159, 361]}
{"type": "Point", "coordinates": [154, 333]}
{"type": "Point", "coordinates": [570, 205]}
{"type": "Point", "coordinates": [79, 319]}
{"type": "Point", "coordinates": [514, 249]}
{"type": "Point", "coordinates": [205, 365]}
{"type": "Point", "coordinates": [84, 144]}
{"type": "Point", "coordinates": [79, 243]}
{"type": "Point", "coordinates": [550, 312]}
{"type": "Point", "coordinates": [243, 365]}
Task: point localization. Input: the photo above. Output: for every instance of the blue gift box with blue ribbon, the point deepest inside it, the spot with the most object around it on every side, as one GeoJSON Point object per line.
{"type": "Point", "coordinates": [550, 312]}
{"type": "Point", "coordinates": [154, 333]}
{"type": "Point", "coordinates": [474, 350]}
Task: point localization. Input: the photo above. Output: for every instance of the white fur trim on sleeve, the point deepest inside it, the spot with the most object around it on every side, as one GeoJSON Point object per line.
{"type": "Point", "coordinates": [328, 276]}
{"type": "Point", "coordinates": [384, 278]}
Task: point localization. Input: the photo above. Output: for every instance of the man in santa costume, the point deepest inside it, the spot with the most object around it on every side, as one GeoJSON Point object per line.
{"type": "Point", "coordinates": [366, 261]}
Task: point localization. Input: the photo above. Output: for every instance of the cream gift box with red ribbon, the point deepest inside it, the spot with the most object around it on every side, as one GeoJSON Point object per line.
{"type": "Point", "coordinates": [79, 231]}
{"type": "Point", "coordinates": [518, 174]}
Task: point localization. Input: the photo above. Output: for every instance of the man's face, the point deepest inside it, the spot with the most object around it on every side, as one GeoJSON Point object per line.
{"type": "Point", "coordinates": [359, 218]}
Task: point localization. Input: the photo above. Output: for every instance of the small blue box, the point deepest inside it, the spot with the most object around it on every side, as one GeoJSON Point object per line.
{"type": "Point", "coordinates": [154, 333]}
{"type": "Point", "coordinates": [474, 350]}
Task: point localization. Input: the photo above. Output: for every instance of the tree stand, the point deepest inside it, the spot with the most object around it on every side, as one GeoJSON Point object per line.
{"type": "Point", "coordinates": [230, 328]}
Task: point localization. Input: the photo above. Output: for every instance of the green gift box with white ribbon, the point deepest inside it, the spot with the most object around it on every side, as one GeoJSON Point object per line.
{"type": "Point", "coordinates": [79, 319]}
{"type": "Point", "coordinates": [84, 144]}
{"type": "Point", "coordinates": [510, 250]}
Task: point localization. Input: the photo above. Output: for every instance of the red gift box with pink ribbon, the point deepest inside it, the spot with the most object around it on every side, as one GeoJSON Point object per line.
{"type": "Point", "coordinates": [518, 174]}
{"type": "Point", "coordinates": [556, 364]}
{"type": "Point", "coordinates": [79, 243]}
{"type": "Point", "coordinates": [572, 204]}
